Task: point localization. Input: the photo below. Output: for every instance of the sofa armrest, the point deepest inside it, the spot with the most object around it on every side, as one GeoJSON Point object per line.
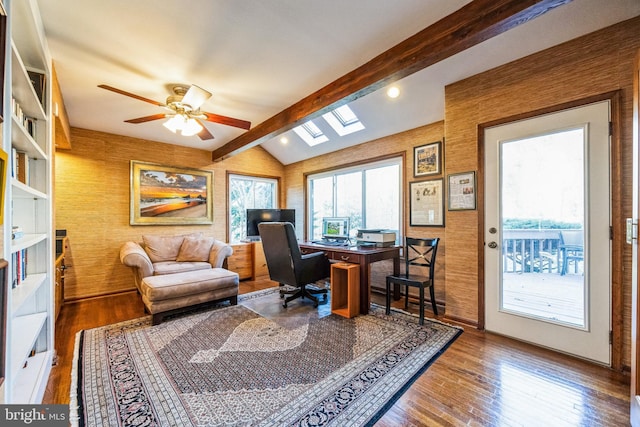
{"type": "Point", "coordinates": [132, 255]}
{"type": "Point", "coordinates": [219, 253]}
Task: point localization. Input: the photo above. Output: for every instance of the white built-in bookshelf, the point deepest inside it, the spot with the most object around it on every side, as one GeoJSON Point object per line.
{"type": "Point", "coordinates": [27, 228]}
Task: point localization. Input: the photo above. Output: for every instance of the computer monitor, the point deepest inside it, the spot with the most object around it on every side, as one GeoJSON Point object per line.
{"type": "Point", "coordinates": [335, 228]}
{"type": "Point", "coordinates": [256, 216]}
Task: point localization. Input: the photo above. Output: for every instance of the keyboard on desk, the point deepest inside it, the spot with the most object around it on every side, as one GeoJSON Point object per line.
{"type": "Point", "coordinates": [331, 242]}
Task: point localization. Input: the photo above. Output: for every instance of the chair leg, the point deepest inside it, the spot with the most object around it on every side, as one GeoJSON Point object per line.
{"type": "Point", "coordinates": [422, 305]}
{"type": "Point", "coordinates": [406, 297]}
{"type": "Point", "coordinates": [388, 305]}
{"type": "Point", "coordinates": [432, 292]}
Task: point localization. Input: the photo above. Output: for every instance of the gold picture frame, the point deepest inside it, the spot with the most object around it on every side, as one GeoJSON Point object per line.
{"type": "Point", "coordinates": [170, 195]}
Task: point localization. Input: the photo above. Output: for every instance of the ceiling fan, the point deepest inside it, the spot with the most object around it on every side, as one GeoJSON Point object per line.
{"type": "Point", "coordinates": [184, 111]}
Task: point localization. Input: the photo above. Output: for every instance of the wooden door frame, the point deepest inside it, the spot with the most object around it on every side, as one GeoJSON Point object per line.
{"type": "Point", "coordinates": [635, 303]}
{"type": "Point", "coordinates": [617, 220]}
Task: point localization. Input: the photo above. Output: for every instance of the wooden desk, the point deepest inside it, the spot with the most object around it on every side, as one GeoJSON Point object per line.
{"type": "Point", "coordinates": [363, 257]}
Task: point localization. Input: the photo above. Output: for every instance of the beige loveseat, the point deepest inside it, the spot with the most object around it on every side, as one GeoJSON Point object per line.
{"type": "Point", "coordinates": [177, 272]}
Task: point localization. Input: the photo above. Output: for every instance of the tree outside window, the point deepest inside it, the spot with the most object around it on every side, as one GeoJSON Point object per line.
{"type": "Point", "coordinates": [248, 192]}
{"type": "Point", "coordinates": [369, 195]}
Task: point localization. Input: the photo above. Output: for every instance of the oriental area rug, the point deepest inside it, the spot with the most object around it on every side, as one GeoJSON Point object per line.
{"type": "Point", "coordinates": [254, 364]}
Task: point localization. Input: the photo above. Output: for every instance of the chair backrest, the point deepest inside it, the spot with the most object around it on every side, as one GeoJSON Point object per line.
{"type": "Point", "coordinates": [573, 238]}
{"type": "Point", "coordinates": [281, 251]}
{"type": "Point", "coordinates": [422, 253]}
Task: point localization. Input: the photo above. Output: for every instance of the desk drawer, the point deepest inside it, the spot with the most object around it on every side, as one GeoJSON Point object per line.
{"type": "Point", "coordinates": [334, 255]}
{"type": "Point", "coordinates": [241, 260]}
{"type": "Point", "coordinates": [346, 257]}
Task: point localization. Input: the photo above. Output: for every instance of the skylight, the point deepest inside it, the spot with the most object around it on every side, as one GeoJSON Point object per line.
{"type": "Point", "coordinates": [310, 133]}
{"type": "Point", "coordinates": [343, 120]}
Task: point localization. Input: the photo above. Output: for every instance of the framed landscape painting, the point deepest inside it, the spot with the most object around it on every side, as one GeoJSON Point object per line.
{"type": "Point", "coordinates": [169, 195]}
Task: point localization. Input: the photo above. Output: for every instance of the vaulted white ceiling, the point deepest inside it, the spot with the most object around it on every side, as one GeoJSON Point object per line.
{"type": "Point", "coordinates": [260, 57]}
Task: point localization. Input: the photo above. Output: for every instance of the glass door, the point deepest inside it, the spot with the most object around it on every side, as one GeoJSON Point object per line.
{"type": "Point", "coordinates": [547, 231]}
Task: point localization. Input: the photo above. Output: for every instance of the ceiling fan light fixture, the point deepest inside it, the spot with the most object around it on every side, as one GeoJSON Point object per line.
{"type": "Point", "coordinates": [175, 123]}
{"type": "Point", "coordinates": [188, 126]}
{"type": "Point", "coordinates": [191, 127]}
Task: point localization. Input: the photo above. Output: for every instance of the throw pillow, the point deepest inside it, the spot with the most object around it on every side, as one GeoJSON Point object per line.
{"type": "Point", "coordinates": [195, 249]}
{"type": "Point", "coordinates": [164, 248]}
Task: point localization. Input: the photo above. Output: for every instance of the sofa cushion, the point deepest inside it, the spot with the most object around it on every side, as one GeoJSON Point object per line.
{"type": "Point", "coordinates": [157, 288]}
{"type": "Point", "coordinates": [164, 248]}
{"type": "Point", "coordinates": [195, 249]}
{"type": "Point", "coordinates": [170, 267]}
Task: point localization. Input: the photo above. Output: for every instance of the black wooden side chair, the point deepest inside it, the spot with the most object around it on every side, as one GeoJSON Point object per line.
{"type": "Point", "coordinates": [288, 266]}
{"type": "Point", "coordinates": [419, 253]}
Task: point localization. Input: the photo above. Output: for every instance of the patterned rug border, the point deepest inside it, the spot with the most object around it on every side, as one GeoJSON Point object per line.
{"type": "Point", "coordinates": [76, 403]}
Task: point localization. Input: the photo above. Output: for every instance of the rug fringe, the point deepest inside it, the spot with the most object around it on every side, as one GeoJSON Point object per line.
{"type": "Point", "coordinates": [73, 392]}
{"type": "Point", "coordinates": [430, 319]}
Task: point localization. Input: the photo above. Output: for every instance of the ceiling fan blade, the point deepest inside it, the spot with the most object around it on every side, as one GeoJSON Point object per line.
{"type": "Point", "coordinates": [229, 121]}
{"type": "Point", "coordinates": [147, 118]}
{"type": "Point", "coordinates": [196, 96]}
{"type": "Point", "coordinates": [204, 134]}
{"type": "Point", "coordinates": [132, 95]}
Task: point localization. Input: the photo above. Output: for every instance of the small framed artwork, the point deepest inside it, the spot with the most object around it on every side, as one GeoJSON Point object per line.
{"type": "Point", "coordinates": [427, 203]}
{"type": "Point", "coordinates": [462, 191]}
{"type": "Point", "coordinates": [168, 195]}
{"type": "Point", "coordinates": [427, 159]}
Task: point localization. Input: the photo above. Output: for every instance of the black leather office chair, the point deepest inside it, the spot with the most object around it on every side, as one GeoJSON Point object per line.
{"type": "Point", "coordinates": [288, 266]}
{"type": "Point", "coordinates": [417, 253]}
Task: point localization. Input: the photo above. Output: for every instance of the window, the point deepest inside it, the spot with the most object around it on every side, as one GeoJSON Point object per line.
{"type": "Point", "coordinates": [343, 120]}
{"type": "Point", "coordinates": [248, 192]}
{"type": "Point", "coordinates": [310, 133]}
{"type": "Point", "coordinates": [368, 194]}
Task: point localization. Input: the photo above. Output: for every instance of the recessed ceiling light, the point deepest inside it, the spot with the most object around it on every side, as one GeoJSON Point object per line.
{"type": "Point", "coordinates": [284, 140]}
{"type": "Point", "coordinates": [393, 92]}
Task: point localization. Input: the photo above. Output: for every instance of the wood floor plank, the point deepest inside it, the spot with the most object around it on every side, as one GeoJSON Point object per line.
{"type": "Point", "coordinates": [481, 380]}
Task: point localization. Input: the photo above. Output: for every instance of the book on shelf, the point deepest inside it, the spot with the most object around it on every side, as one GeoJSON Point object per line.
{"type": "Point", "coordinates": [16, 232]}
{"type": "Point", "coordinates": [20, 166]}
{"type": "Point", "coordinates": [28, 123]}
{"type": "Point", "coordinates": [39, 81]}
{"type": "Point", "coordinates": [19, 267]}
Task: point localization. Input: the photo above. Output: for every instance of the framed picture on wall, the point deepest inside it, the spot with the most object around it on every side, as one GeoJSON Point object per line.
{"type": "Point", "coordinates": [169, 195]}
{"type": "Point", "coordinates": [462, 191]}
{"type": "Point", "coordinates": [427, 203]}
{"type": "Point", "coordinates": [427, 159]}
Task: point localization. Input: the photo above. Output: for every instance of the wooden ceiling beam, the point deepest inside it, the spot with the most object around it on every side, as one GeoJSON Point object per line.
{"type": "Point", "coordinates": [474, 23]}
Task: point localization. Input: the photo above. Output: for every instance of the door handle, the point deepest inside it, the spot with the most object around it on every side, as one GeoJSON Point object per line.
{"type": "Point", "coordinates": [492, 245]}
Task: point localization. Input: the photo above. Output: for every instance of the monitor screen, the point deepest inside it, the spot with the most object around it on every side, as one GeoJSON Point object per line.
{"type": "Point", "coordinates": [335, 228]}
{"type": "Point", "coordinates": [256, 216]}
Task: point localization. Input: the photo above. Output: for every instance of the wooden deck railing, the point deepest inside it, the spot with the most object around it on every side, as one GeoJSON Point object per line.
{"type": "Point", "coordinates": [528, 251]}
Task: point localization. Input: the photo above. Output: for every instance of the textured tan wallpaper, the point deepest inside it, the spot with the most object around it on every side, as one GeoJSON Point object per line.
{"type": "Point", "coordinates": [92, 202]}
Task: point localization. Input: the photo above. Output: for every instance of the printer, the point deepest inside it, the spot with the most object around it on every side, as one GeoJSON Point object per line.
{"type": "Point", "coordinates": [376, 238]}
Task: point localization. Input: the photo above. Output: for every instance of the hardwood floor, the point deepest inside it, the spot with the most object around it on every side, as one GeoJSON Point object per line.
{"type": "Point", "coordinates": [481, 380]}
